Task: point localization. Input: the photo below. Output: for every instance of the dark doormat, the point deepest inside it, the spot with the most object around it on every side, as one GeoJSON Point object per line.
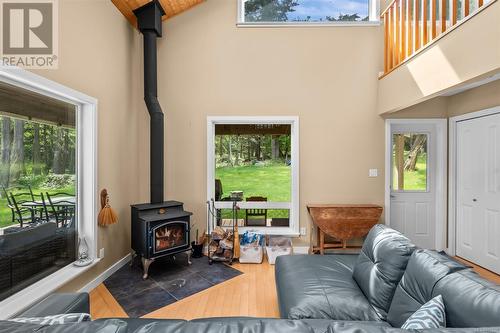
{"type": "Point", "coordinates": [169, 281]}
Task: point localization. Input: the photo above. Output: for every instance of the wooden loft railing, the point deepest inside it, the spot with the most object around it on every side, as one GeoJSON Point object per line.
{"type": "Point", "coordinates": [410, 25]}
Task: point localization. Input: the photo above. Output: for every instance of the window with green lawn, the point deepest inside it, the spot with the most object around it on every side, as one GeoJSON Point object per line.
{"type": "Point", "coordinates": [253, 163]}
{"type": "Point", "coordinates": [409, 162]}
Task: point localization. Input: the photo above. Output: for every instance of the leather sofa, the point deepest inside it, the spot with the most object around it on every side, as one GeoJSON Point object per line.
{"type": "Point", "coordinates": [372, 292]}
{"type": "Point", "coordinates": [387, 282]}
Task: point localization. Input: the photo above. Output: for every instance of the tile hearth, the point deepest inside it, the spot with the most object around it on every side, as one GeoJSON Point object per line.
{"type": "Point", "coordinates": [169, 281]}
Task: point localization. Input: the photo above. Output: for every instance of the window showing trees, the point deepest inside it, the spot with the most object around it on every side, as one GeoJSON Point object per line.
{"type": "Point", "coordinates": [253, 164]}
{"type": "Point", "coordinates": [306, 11]}
{"type": "Point", "coordinates": [409, 162]}
{"type": "Point", "coordinates": [38, 149]}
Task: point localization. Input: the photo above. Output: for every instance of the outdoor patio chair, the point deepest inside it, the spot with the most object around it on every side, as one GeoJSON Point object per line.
{"type": "Point", "coordinates": [23, 215]}
{"type": "Point", "coordinates": [61, 207]}
{"type": "Point", "coordinates": [10, 205]}
{"type": "Point", "coordinates": [250, 221]}
{"type": "Point", "coordinates": [42, 209]}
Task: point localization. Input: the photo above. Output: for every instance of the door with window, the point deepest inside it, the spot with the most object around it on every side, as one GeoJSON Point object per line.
{"type": "Point", "coordinates": [415, 203]}
{"type": "Point", "coordinates": [478, 191]}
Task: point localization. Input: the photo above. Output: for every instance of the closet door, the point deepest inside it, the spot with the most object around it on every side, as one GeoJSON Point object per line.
{"type": "Point", "coordinates": [478, 191]}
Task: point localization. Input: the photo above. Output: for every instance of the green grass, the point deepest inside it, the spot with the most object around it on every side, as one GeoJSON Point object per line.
{"type": "Point", "coordinates": [5, 212]}
{"type": "Point", "coordinates": [272, 181]}
{"type": "Point", "coordinates": [414, 180]}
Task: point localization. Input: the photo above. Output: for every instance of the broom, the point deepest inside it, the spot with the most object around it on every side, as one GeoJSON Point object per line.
{"type": "Point", "coordinates": [107, 215]}
{"type": "Point", "coordinates": [236, 250]}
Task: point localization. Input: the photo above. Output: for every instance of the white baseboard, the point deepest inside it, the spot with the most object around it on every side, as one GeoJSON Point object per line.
{"type": "Point", "coordinates": [104, 275]}
{"type": "Point", "coordinates": [301, 249]}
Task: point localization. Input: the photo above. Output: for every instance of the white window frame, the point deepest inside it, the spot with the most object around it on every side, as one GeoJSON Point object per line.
{"type": "Point", "coordinates": [86, 182]}
{"type": "Point", "coordinates": [293, 206]}
{"type": "Point", "coordinates": [373, 19]}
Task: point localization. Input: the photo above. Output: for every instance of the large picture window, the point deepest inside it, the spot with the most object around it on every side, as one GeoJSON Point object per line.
{"type": "Point", "coordinates": [38, 204]}
{"type": "Point", "coordinates": [254, 162]}
{"type": "Point", "coordinates": [292, 12]}
{"type": "Point", "coordinates": [47, 186]}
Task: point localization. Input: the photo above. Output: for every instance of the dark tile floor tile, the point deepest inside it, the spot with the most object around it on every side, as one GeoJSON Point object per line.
{"type": "Point", "coordinates": [126, 281]}
{"type": "Point", "coordinates": [186, 286]}
{"type": "Point", "coordinates": [218, 272]}
{"type": "Point", "coordinates": [146, 301]}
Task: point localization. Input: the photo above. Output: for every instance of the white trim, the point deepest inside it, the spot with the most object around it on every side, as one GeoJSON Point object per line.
{"type": "Point", "coordinates": [86, 177]}
{"type": "Point", "coordinates": [441, 173]}
{"type": "Point", "coordinates": [106, 274]}
{"type": "Point", "coordinates": [301, 249]}
{"type": "Point", "coordinates": [293, 205]}
{"type": "Point", "coordinates": [452, 171]}
{"type": "Point", "coordinates": [31, 294]}
{"type": "Point", "coordinates": [373, 19]}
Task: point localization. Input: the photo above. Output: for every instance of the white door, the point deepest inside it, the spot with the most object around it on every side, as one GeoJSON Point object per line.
{"type": "Point", "coordinates": [415, 203]}
{"type": "Point", "coordinates": [478, 191]}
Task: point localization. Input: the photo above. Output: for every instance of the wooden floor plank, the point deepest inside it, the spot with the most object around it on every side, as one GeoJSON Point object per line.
{"type": "Point", "coordinates": [251, 294]}
{"type": "Point", "coordinates": [487, 274]}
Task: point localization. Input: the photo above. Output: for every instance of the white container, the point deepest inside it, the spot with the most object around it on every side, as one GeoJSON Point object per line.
{"type": "Point", "coordinates": [278, 246]}
{"type": "Point", "coordinates": [251, 254]}
{"type": "Point", "coordinates": [274, 252]}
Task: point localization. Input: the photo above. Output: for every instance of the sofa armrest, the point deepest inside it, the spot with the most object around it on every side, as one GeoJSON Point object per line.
{"type": "Point", "coordinates": [59, 303]}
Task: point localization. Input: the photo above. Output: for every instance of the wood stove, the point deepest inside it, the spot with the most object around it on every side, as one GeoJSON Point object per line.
{"type": "Point", "coordinates": [159, 230]}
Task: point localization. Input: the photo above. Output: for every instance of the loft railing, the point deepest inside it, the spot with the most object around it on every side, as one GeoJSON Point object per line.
{"type": "Point", "coordinates": [410, 25]}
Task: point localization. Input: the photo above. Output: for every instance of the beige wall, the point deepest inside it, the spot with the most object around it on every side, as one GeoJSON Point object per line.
{"type": "Point", "coordinates": [95, 58]}
{"type": "Point", "coordinates": [476, 99]}
{"type": "Point", "coordinates": [326, 76]}
{"type": "Point", "coordinates": [469, 53]}
{"type": "Point", "coordinates": [480, 98]}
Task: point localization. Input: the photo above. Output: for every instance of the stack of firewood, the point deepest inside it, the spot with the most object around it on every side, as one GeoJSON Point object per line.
{"type": "Point", "coordinates": [221, 244]}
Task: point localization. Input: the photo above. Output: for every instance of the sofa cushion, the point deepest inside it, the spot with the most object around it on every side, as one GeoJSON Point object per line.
{"type": "Point", "coordinates": [430, 315]}
{"type": "Point", "coordinates": [311, 286]}
{"type": "Point", "coordinates": [380, 266]}
{"type": "Point", "coordinates": [425, 268]}
{"type": "Point", "coordinates": [470, 300]}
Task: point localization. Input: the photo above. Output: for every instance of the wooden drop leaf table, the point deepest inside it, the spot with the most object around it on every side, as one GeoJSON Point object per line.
{"type": "Point", "coordinates": [343, 222]}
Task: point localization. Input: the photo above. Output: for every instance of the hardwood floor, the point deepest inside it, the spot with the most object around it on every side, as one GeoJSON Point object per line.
{"type": "Point", "coordinates": [482, 271]}
{"type": "Point", "coordinates": [251, 294]}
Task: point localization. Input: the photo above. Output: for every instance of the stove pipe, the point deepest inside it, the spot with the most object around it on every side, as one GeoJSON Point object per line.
{"type": "Point", "coordinates": [149, 24]}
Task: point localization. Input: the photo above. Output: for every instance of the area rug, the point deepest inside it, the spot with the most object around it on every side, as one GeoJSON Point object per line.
{"type": "Point", "coordinates": [169, 281]}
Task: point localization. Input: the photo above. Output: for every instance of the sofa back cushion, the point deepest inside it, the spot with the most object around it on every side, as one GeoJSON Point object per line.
{"type": "Point", "coordinates": [381, 265]}
{"type": "Point", "coordinates": [470, 300]}
{"type": "Point", "coordinates": [425, 268]}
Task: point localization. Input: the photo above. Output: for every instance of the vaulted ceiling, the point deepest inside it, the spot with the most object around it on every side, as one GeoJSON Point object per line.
{"type": "Point", "coordinates": [171, 7]}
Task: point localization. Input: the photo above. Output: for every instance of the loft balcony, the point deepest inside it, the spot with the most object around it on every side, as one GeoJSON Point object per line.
{"type": "Point", "coordinates": [424, 53]}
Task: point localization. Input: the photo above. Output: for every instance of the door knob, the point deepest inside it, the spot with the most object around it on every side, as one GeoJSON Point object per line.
{"type": "Point", "coordinates": [474, 199]}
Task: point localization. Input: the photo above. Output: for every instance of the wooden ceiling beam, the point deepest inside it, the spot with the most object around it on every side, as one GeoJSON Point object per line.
{"type": "Point", "coordinates": [171, 7]}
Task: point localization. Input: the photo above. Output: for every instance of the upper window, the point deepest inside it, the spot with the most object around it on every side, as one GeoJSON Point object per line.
{"type": "Point", "coordinates": [258, 12]}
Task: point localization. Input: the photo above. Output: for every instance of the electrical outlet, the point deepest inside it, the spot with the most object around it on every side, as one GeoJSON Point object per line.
{"type": "Point", "coordinates": [303, 231]}
{"type": "Point", "coordinates": [373, 173]}
{"type": "Point", "coordinates": [101, 253]}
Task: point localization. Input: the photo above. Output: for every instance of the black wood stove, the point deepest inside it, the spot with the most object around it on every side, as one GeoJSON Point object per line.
{"type": "Point", "coordinates": [159, 228]}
